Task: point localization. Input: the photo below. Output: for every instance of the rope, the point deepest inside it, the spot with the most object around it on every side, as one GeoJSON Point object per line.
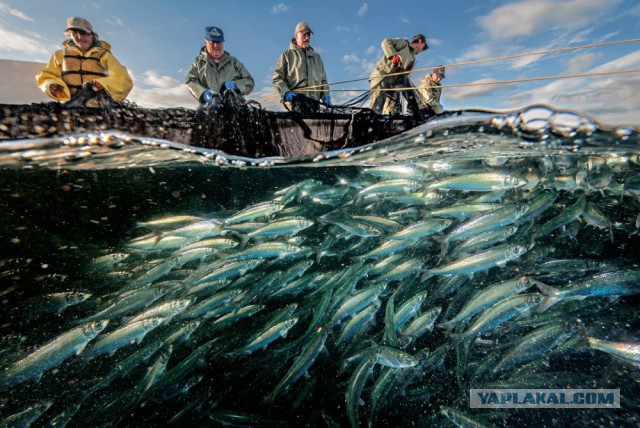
{"type": "Point", "coordinates": [500, 82]}
{"type": "Point", "coordinates": [479, 61]}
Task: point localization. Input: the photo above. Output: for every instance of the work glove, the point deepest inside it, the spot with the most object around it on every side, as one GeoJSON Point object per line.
{"type": "Point", "coordinates": [396, 61]}
{"type": "Point", "coordinates": [288, 96]}
{"type": "Point", "coordinates": [327, 100]}
{"type": "Point", "coordinates": [207, 96]}
{"type": "Point", "coordinates": [230, 86]}
{"type": "Point", "coordinates": [56, 90]}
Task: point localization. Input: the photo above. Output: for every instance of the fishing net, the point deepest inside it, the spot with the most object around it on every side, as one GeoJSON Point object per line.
{"type": "Point", "coordinates": [231, 124]}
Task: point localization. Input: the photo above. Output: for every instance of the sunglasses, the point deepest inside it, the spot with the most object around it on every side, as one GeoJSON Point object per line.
{"type": "Point", "coordinates": [80, 32]}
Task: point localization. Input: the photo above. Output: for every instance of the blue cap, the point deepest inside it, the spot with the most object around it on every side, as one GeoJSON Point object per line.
{"type": "Point", "coordinates": [214, 34]}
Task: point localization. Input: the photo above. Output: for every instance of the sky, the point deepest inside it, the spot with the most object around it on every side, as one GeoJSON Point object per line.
{"type": "Point", "coordinates": [158, 41]}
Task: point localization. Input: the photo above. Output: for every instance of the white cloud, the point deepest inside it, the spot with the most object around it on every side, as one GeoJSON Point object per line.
{"type": "Point", "coordinates": [12, 41]}
{"type": "Point", "coordinates": [356, 65]}
{"type": "Point", "coordinates": [115, 21]}
{"type": "Point", "coordinates": [5, 9]}
{"type": "Point", "coordinates": [152, 90]}
{"type": "Point", "coordinates": [580, 63]}
{"type": "Point", "coordinates": [526, 18]}
{"type": "Point", "coordinates": [612, 100]}
{"type": "Point", "coordinates": [483, 88]}
{"type": "Point", "coordinates": [363, 10]}
{"type": "Point", "coordinates": [280, 8]}
{"type": "Point", "coordinates": [350, 58]}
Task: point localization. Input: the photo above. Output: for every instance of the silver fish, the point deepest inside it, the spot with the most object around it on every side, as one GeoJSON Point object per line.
{"type": "Point", "coordinates": [52, 354]}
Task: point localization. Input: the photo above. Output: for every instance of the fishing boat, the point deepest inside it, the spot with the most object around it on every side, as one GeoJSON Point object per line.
{"type": "Point", "coordinates": [233, 125]}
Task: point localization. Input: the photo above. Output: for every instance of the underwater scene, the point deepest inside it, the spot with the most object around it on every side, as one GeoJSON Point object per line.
{"type": "Point", "coordinates": [146, 283]}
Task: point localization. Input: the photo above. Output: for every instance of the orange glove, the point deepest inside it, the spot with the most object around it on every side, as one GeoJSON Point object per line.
{"type": "Point", "coordinates": [56, 90]}
{"type": "Point", "coordinates": [97, 86]}
{"type": "Point", "coordinates": [396, 61]}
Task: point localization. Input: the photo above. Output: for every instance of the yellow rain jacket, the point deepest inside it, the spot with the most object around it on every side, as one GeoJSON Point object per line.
{"type": "Point", "coordinates": [299, 68]}
{"type": "Point", "coordinates": [70, 68]}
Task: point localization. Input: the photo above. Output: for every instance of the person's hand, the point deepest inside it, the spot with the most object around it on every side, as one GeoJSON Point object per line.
{"type": "Point", "coordinates": [207, 96]}
{"type": "Point", "coordinates": [327, 100]}
{"type": "Point", "coordinates": [396, 61]}
{"type": "Point", "coordinates": [288, 96]}
{"type": "Point", "coordinates": [230, 86]}
{"type": "Point", "coordinates": [56, 90]}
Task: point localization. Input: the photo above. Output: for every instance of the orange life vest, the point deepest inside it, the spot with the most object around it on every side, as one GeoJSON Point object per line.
{"type": "Point", "coordinates": [78, 69]}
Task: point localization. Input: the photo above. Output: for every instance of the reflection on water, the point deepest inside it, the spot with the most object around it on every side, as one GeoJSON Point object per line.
{"type": "Point", "coordinates": [144, 282]}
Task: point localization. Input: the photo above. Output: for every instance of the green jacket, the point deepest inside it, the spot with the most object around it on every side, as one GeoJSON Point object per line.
{"type": "Point", "coordinates": [429, 94]}
{"type": "Point", "coordinates": [299, 68]}
{"type": "Point", "coordinates": [391, 47]}
{"type": "Point", "coordinates": [206, 74]}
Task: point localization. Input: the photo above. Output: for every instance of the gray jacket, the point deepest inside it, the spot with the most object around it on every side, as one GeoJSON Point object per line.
{"type": "Point", "coordinates": [429, 94]}
{"type": "Point", "coordinates": [391, 47]}
{"type": "Point", "coordinates": [206, 74]}
{"type": "Point", "coordinates": [299, 68]}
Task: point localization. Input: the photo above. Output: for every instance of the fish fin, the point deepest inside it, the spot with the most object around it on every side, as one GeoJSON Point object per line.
{"type": "Point", "coordinates": [81, 348]}
{"type": "Point", "coordinates": [546, 289]}
{"type": "Point", "coordinates": [546, 303]}
{"type": "Point", "coordinates": [447, 325]}
{"type": "Point", "coordinates": [425, 276]}
{"type": "Point", "coordinates": [550, 296]}
{"type": "Point", "coordinates": [455, 337]}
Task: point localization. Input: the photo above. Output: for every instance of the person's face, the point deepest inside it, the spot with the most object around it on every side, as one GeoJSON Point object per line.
{"type": "Point", "coordinates": [436, 77]}
{"type": "Point", "coordinates": [303, 39]}
{"type": "Point", "coordinates": [419, 46]}
{"type": "Point", "coordinates": [81, 38]}
{"type": "Point", "coordinates": [214, 49]}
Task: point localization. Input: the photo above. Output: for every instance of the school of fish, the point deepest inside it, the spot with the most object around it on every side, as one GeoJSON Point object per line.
{"type": "Point", "coordinates": [373, 300]}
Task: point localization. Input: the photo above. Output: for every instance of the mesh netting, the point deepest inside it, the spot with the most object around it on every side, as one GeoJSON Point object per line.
{"type": "Point", "coordinates": [232, 125]}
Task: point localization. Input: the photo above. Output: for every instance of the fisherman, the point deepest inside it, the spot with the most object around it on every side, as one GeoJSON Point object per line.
{"type": "Point", "coordinates": [429, 90]}
{"type": "Point", "coordinates": [300, 68]}
{"type": "Point", "coordinates": [215, 71]}
{"type": "Point", "coordinates": [83, 60]}
{"type": "Point", "coordinates": [399, 56]}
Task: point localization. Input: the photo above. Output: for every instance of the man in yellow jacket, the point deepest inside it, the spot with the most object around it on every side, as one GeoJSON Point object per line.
{"type": "Point", "coordinates": [399, 55]}
{"type": "Point", "coordinates": [83, 59]}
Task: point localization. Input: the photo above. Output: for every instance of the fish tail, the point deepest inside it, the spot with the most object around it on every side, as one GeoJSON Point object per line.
{"type": "Point", "coordinates": [455, 337]}
{"type": "Point", "coordinates": [551, 296]}
{"type": "Point", "coordinates": [447, 325]}
{"type": "Point", "coordinates": [547, 302]}
{"type": "Point", "coordinates": [243, 241]}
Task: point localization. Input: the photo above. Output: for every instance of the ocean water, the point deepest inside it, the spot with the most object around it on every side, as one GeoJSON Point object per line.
{"type": "Point", "coordinates": [228, 291]}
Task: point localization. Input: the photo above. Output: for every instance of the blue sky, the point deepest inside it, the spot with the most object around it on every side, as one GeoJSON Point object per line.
{"type": "Point", "coordinates": [158, 40]}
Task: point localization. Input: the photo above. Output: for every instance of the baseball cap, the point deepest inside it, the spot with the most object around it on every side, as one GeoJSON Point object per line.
{"type": "Point", "coordinates": [214, 34]}
{"type": "Point", "coordinates": [302, 27]}
{"type": "Point", "coordinates": [439, 70]}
